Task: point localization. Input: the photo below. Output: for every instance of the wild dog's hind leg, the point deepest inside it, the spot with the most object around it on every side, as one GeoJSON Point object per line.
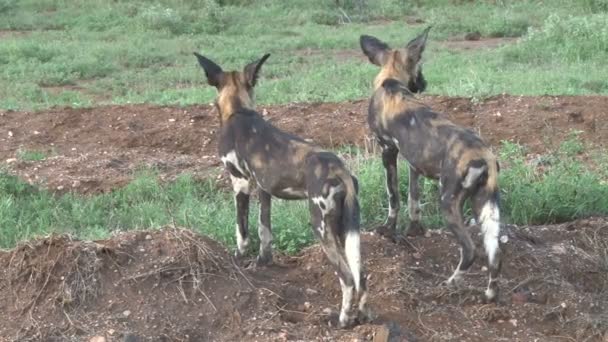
{"type": "Point", "coordinates": [326, 224]}
{"type": "Point", "coordinates": [452, 200]}
{"type": "Point", "coordinates": [264, 229]}
{"type": "Point", "coordinates": [413, 204]}
{"type": "Point", "coordinates": [241, 199]}
{"type": "Point", "coordinates": [389, 160]}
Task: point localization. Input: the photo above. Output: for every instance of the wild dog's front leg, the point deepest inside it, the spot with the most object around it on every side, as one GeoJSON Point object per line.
{"type": "Point", "coordinates": [389, 160]}
{"type": "Point", "coordinates": [413, 204]}
{"type": "Point", "coordinates": [264, 229]}
{"type": "Point", "coordinates": [241, 199]}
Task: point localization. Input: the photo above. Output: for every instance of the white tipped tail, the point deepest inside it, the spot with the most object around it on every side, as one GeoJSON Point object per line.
{"type": "Point", "coordinates": [490, 228]}
{"type": "Point", "coordinates": [352, 247]}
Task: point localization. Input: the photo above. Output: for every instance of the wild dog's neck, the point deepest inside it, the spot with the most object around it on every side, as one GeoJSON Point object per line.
{"type": "Point", "coordinates": [394, 68]}
{"type": "Point", "coordinates": [232, 98]}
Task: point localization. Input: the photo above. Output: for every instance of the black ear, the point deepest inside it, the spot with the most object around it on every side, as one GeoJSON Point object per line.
{"type": "Point", "coordinates": [375, 49]}
{"type": "Point", "coordinates": [252, 69]}
{"type": "Point", "coordinates": [416, 46]}
{"type": "Point", "coordinates": [212, 70]}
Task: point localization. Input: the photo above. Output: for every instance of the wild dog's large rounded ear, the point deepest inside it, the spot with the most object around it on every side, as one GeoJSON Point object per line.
{"type": "Point", "coordinates": [212, 71]}
{"type": "Point", "coordinates": [252, 69]}
{"type": "Point", "coordinates": [416, 46]}
{"type": "Point", "coordinates": [375, 49]}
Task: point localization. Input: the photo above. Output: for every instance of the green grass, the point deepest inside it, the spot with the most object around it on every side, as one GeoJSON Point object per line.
{"type": "Point", "coordinates": [89, 52]}
{"type": "Point", "coordinates": [27, 155]}
{"type": "Point", "coordinates": [566, 190]}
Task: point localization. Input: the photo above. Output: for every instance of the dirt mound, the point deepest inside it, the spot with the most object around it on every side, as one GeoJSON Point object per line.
{"type": "Point", "coordinates": [163, 284]}
{"type": "Point", "coordinates": [175, 285]}
{"type": "Point", "coordinates": [98, 149]}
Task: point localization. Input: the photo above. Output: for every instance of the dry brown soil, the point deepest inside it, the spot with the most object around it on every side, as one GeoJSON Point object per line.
{"type": "Point", "coordinates": [97, 149]}
{"type": "Point", "coordinates": [174, 285]}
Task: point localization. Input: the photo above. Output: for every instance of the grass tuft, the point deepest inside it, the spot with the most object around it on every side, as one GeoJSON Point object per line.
{"type": "Point", "coordinates": [563, 190]}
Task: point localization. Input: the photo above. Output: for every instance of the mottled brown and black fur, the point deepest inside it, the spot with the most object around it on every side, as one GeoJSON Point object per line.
{"type": "Point", "coordinates": [434, 147]}
{"type": "Point", "coordinates": [287, 167]}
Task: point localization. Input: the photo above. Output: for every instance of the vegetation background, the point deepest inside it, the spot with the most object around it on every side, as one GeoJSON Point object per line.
{"type": "Point", "coordinates": [94, 52]}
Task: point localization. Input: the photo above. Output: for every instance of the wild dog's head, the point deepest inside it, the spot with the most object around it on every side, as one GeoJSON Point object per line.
{"type": "Point", "coordinates": [400, 64]}
{"type": "Point", "coordinates": [235, 88]}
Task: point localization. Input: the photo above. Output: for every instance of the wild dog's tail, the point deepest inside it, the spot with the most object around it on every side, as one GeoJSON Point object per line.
{"type": "Point", "coordinates": [351, 224]}
{"type": "Point", "coordinates": [482, 175]}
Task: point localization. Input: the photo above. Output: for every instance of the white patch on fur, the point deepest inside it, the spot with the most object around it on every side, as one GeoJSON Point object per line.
{"type": "Point", "coordinates": [457, 276]}
{"type": "Point", "coordinates": [490, 293]}
{"type": "Point", "coordinates": [412, 121]}
{"type": "Point", "coordinates": [295, 192]}
{"type": "Point", "coordinates": [240, 185]}
{"type": "Point", "coordinates": [328, 202]}
{"type": "Point", "coordinates": [265, 236]}
{"type": "Point", "coordinates": [347, 300]}
{"type": "Point", "coordinates": [472, 174]}
{"type": "Point", "coordinates": [392, 212]}
{"type": "Point", "coordinates": [490, 227]}
{"type": "Point", "coordinates": [231, 158]}
{"type": "Point", "coordinates": [321, 229]}
{"type": "Point", "coordinates": [241, 242]}
{"type": "Point", "coordinates": [352, 249]}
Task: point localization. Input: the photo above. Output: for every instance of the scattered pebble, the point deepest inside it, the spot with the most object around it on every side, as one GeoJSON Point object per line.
{"type": "Point", "coordinates": [126, 313]}
{"type": "Point", "coordinates": [311, 292]}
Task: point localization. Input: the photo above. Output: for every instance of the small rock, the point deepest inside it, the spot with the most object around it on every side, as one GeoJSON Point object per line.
{"type": "Point", "coordinates": [558, 249]}
{"type": "Point", "coordinates": [311, 292]}
{"type": "Point", "coordinates": [60, 187]}
{"type": "Point", "coordinates": [11, 160]}
{"type": "Point", "coordinates": [171, 120]}
{"type": "Point", "coordinates": [10, 134]}
{"type": "Point", "coordinates": [98, 339]}
{"type": "Point", "coordinates": [327, 311]}
{"type": "Point", "coordinates": [148, 237]}
{"type": "Point", "coordinates": [111, 332]}
{"type": "Point", "coordinates": [126, 313]}
{"type": "Point", "coordinates": [382, 334]}
{"type": "Point", "coordinates": [307, 305]}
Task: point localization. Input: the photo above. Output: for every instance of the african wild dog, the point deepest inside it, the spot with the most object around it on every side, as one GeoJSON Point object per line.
{"type": "Point", "coordinates": [287, 167]}
{"type": "Point", "coordinates": [436, 148]}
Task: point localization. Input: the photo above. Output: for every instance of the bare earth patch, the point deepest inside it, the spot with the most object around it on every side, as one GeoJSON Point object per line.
{"type": "Point", "coordinates": [174, 285]}
{"type": "Point", "coordinates": [98, 149]}
{"type": "Point", "coordinates": [481, 43]}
